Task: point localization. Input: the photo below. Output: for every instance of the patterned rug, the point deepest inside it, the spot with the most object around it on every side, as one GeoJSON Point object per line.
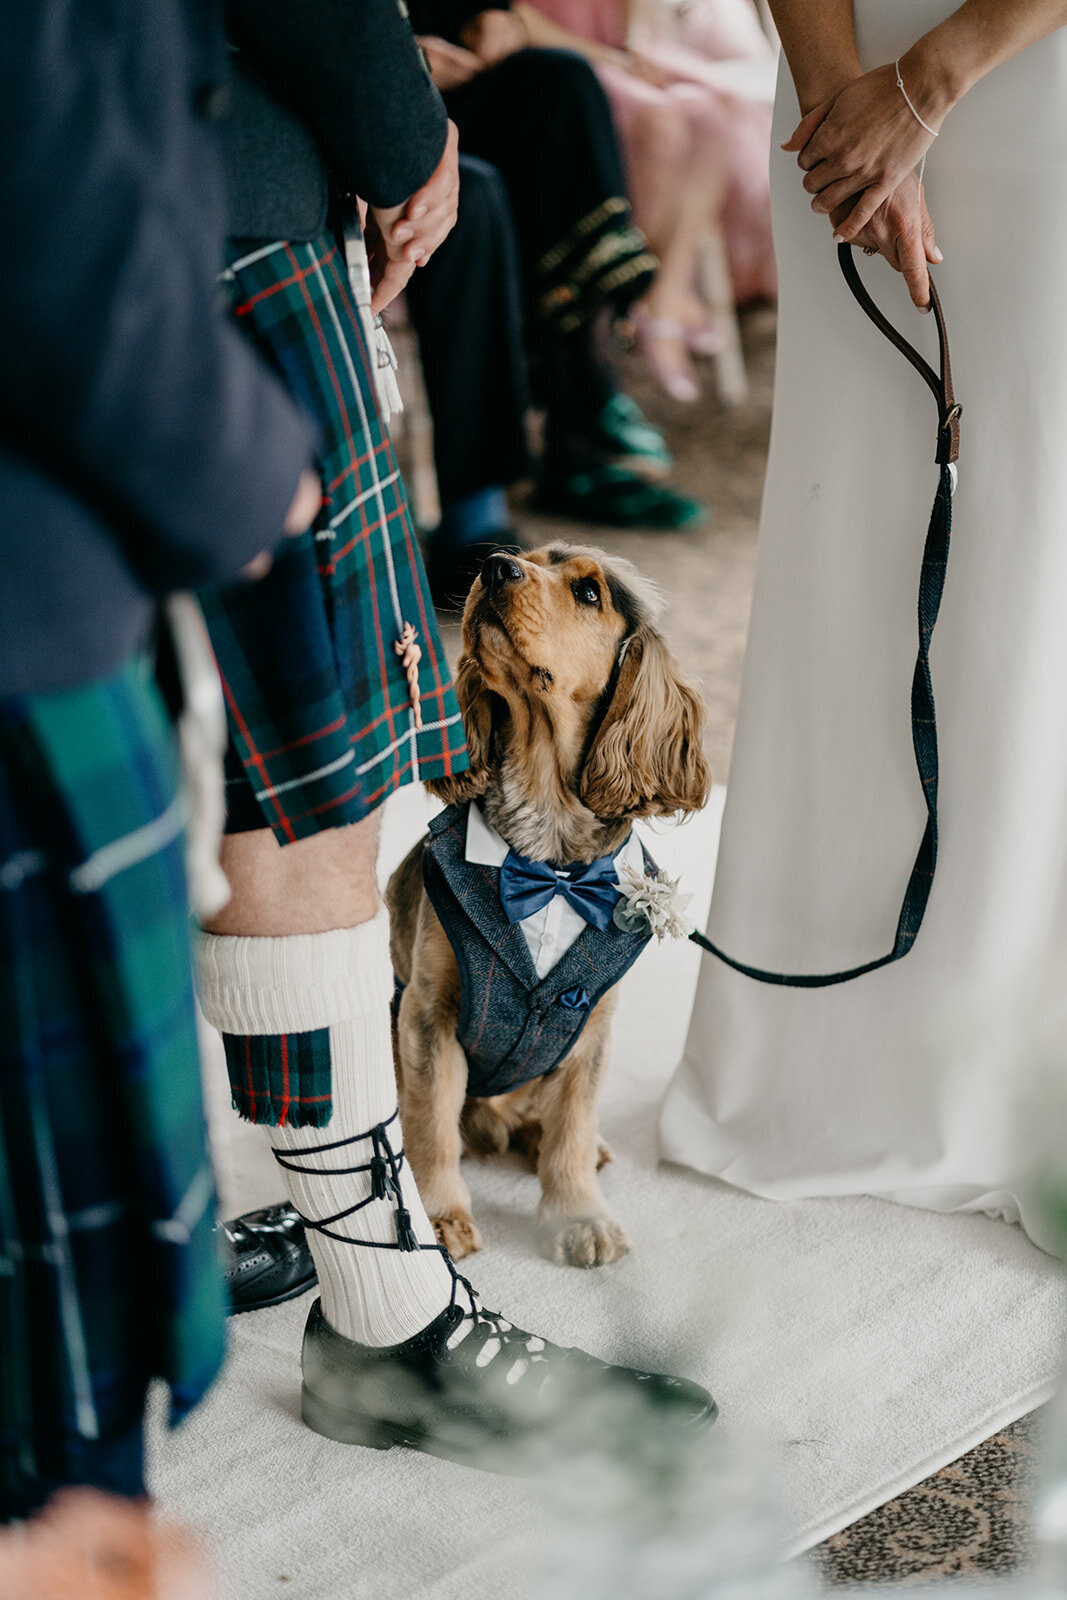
{"type": "Point", "coordinates": [971, 1518]}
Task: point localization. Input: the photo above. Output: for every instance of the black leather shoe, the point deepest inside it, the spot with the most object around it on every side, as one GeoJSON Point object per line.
{"type": "Point", "coordinates": [269, 1258]}
{"type": "Point", "coordinates": [473, 1388]}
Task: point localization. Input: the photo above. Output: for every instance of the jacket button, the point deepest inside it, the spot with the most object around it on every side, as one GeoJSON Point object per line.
{"type": "Point", "coordinates": [212, 101]}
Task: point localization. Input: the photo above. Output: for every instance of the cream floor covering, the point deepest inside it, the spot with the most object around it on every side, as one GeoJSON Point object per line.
{"type": "Point", "coordinates": [866, 1343]}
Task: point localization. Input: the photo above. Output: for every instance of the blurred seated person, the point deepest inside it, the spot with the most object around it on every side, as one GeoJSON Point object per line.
{"type": "Point", "coordinates": [694, 154]}
{"type": "Point", "coordinates": [540, 119]}
{"type": "Point", "coordinates": [466, 308]}
{"type": "Point", "coordinates": [465, 305]}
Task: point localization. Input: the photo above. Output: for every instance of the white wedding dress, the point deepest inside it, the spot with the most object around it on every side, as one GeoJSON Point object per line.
{"type": "Point", "coordinates": [897, 1084]}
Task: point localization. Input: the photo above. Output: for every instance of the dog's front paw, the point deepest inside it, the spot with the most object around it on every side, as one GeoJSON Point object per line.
{"type": "Point", "coordinates": [459, 1234]}
{"type": "Point", "coordinates": [588, 1242]}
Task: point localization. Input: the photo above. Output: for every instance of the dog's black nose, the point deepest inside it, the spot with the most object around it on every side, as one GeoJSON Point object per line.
{"type": "Point", "coordinates": [499, 569]}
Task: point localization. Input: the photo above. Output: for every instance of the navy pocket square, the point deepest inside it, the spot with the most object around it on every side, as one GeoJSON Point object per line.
{"type": "Point", "coordinates": [575, 999]}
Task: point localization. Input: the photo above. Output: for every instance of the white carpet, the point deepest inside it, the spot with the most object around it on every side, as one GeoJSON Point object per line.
{"type": "Point", "coordinates": [866, 1343]}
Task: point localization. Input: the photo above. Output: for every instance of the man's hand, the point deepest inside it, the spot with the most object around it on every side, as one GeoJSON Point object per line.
{"type": "Point", "coordinates": [401, 238]}
{"type": "Point", "coordinates": [305, 506]}
{"type": "Point", "coordinates": [450, 67]}
{"type": "Point", "coordinates": [301, 514]}
{"type": "Point", "coordinates": [390, 272]}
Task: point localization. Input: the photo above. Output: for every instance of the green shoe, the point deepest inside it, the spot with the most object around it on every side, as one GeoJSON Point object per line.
{"type": "Point", "coordinates": [614, 498]}
{"type": "Point", "coordinates": [624, 434]}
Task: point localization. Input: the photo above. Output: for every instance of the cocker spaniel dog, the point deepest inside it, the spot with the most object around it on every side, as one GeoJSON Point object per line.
{"type": "Point", "coordinates": [506, 936]}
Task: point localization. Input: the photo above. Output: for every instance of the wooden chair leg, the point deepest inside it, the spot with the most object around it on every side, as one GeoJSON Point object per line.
{"type": "Point", "coordinates": [730, 374]}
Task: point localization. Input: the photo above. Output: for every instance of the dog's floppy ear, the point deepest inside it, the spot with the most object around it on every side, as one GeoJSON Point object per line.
{"type": "Point", "coordinates": [646, 758]}
{"type": "Point", "coordinates": [475, 703]}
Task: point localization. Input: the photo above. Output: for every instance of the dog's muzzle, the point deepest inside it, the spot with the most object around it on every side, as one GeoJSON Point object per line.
{"type": "Point", "coordinates": [498, 571]}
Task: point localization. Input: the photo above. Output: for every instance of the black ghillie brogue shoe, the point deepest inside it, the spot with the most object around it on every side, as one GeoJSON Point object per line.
{"type": "Point", "coordinates": [475, 1389]}
{"type": "Point", "coordinates": [269, 1259]}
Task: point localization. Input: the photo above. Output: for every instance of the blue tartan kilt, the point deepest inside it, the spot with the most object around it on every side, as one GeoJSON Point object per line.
{"type": "Point", "coordinates": [321, 723]}
{"type": "Point", "coordinates": [109, 1269]}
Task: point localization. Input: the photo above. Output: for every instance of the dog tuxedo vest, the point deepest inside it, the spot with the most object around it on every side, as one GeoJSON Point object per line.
{"type": "Point", "coordinates": [513, 1025]}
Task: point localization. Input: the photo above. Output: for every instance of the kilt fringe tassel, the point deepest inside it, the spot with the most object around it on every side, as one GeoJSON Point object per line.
{"type": "Point", "coordinates": [410, 655]}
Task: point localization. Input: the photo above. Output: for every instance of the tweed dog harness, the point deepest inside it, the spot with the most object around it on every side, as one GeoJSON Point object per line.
{"type": "Point", "coordinates": [515, 1026]}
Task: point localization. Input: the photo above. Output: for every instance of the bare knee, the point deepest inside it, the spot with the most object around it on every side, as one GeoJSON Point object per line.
{"type": "Point", "coordinates": [311, 886]}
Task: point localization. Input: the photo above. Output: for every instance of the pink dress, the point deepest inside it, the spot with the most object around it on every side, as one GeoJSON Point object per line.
{"type": "Point", "coordinates": [705, 136]}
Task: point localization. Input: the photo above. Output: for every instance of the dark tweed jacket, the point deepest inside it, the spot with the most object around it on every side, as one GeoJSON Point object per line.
{"type": "Point", "coordinates": [143, 447]}
{"type": "Point", "coordinates": [513, 1025]}
{"type": "Point", "coordinates": [325, 90]}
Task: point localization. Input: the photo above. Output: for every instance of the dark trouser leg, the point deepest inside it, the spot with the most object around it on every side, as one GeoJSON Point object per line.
{"type": "Point", "coordinates": [573, 382]}
{"type": "Point", "coordinates": [542, 118]}
{"type": "Point", "coordinates": [466, 307]}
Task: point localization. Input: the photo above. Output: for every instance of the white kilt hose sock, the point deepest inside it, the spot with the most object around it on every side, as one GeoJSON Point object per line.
{"type": "Point", "coordinates": [305, 1021]}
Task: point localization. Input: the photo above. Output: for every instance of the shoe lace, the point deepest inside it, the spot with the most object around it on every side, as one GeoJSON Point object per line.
{"type": "Point", "coordinates": [384, 1167]}
{"type": "Point", "coordinates": [494, 1334]}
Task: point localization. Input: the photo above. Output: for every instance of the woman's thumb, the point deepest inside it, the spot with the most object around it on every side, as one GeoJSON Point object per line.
{"type": "Point", "coordinates": [929, 242]}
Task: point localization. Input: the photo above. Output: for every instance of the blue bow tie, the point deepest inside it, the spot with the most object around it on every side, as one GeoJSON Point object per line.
{"type": "Point", "coordinates": [526, 886]}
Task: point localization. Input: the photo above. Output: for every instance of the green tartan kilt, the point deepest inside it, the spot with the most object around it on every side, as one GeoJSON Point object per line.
{"type": "Point", "coordinates": [109, 1269]}
{"type": "Point", "coordinates": [321, 723]}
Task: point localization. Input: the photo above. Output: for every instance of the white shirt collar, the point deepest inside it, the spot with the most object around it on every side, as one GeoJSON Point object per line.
{"type": "Point", "coordinates": [488, 848]}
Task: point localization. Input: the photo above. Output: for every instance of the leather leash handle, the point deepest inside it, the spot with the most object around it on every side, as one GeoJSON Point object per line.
{"type": "Point", "coordinates": [940, 383]}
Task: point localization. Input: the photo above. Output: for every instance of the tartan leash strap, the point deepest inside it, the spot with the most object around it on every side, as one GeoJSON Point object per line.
{"type": "Point", "coordinates": [931, 588]}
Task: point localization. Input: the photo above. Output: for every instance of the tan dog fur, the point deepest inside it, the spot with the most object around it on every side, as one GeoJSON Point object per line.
{"type": "Point", "coordinates": [561, 776]}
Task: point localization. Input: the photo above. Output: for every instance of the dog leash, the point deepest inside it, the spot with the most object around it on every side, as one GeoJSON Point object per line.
{"type": "Point", "coordinates": [931, 588]}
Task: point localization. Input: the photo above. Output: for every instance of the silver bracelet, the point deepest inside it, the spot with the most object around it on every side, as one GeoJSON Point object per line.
{"type": "Point", "coordinates": [911, 108]}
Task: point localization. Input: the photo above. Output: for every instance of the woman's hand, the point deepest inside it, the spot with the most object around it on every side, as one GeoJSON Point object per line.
{"type": "Point", "coordinates": [863, 143]}
{"type": "Point", "coordinates": [450, 67]}
{"type": "Point", "coordinates": [902, 232]}
{"type": "Point", "coordinates": [494, 34]}
{"type": "Point", "coordinates": [643, 67]}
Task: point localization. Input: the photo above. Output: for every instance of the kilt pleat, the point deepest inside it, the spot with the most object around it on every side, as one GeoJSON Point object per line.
{"type": "Point", "coordinates": [321, 724]}
{"type": "Point", "coordinates": [109, 1271]}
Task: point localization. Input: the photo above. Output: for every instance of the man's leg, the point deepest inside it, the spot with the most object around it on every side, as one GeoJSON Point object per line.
{"type": "Point", "coordinates": [295, 973]}
{"type": "Point", "coordinates": [542, 119]}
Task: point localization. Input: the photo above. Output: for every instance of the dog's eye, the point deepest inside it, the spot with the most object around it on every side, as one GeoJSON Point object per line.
{"type": "Point", "coordinates": [586, 591]}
